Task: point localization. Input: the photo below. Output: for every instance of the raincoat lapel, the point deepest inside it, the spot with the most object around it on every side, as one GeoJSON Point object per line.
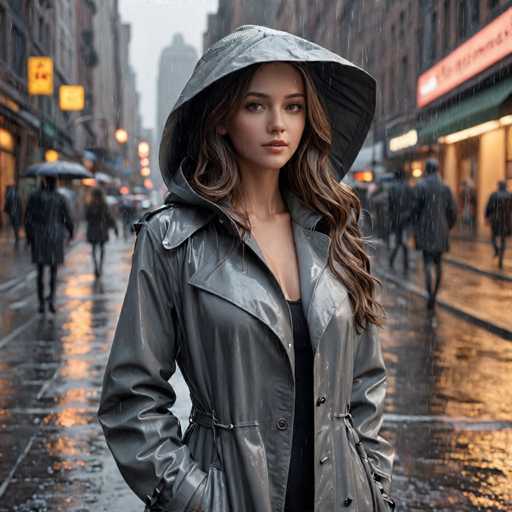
{"type": "Point", "coordinates": [319, 306]}
{"type": "Point", "coordinates": [237, 278]}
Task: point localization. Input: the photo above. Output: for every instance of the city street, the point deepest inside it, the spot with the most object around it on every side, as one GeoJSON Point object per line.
{"type": "Point", "coordinates": [448, 410]}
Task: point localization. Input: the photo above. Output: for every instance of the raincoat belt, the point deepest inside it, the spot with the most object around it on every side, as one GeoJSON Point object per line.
{"type": "Point", "coordinates": [210, 420]}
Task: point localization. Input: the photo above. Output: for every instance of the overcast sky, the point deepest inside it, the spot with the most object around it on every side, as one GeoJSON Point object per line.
{"type": "Point", "coordinates": [153, 24]}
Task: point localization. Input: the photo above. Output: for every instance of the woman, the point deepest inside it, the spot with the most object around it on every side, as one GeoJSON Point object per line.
{"type": "Point", "coordinates": [253, 280]}
{"type": "Point", "coordinates": [99, 221]}
{"type": "Point", "coordinates": [47, 219]}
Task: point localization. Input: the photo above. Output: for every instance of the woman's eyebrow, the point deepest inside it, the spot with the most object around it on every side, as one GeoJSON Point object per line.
{"type": "Point", "coordinates": [263, 95]}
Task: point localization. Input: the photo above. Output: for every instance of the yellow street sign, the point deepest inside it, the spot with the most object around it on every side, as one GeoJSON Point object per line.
{"type": "Point", "coordinates": [71, 97]}
{"type": "Point", "coordinates": [40, 76]}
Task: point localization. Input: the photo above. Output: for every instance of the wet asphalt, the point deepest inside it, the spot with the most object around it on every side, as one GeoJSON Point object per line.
{"type": "Point", "coordinates": [448, 409]}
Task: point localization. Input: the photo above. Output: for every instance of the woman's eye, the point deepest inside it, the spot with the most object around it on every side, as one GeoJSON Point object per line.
{"type": "Point", "coordinates": [295, 107]}
{"type": "Point", "coordinates": [254, 107]}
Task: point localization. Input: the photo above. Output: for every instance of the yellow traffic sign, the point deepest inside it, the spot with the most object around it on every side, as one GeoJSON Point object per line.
{"type": "Point", "coordinates": [71, 97]}
{"type": "Point", "coordinates": [40, 76]}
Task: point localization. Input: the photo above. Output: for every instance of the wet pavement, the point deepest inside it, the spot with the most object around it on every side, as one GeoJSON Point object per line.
{"type": "Point", "coordinates": [448, 410]}
{"type": "Point", "coordinates": [480, 256]}
{"type": "Point", "coordinates": [474, 295]}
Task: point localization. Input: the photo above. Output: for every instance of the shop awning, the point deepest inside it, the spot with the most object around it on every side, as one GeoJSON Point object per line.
{"type": "Point", "coordinates": [482, 107]}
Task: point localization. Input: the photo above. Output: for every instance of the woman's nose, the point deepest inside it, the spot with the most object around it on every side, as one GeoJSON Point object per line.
{"type": "Point", "coordinates": [276, 123]}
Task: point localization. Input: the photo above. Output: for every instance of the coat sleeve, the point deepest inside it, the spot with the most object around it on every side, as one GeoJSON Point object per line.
{"type": "Point", "coordinates": [135, 409]}
{"type": "Point", "coordinates": [367, 404]}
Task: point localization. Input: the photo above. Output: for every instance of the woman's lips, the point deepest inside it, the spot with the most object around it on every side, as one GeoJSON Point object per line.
{"type": "Point", "coordinates": [275, 149]}
{"type": "Point", "coordinates": [277, 143]}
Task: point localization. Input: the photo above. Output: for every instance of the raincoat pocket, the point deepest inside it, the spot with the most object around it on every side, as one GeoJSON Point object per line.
{"type": "Point", "coordinates": [215, 497]}
{"type": "Point", "coordinates": [368, 491]}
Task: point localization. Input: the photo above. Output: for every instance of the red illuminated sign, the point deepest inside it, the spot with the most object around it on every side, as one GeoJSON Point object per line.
{"type": "Point", "coordinates": [491, 44]}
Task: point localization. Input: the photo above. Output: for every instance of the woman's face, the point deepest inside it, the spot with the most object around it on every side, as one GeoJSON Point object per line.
{"type": "Point", "coordinates": [267, 127]}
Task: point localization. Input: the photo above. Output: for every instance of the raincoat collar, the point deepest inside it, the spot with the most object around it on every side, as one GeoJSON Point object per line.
{"type": "Point", "coordinates": [181, 193]}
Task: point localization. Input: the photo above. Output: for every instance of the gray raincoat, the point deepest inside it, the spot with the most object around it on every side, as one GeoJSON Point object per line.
{"type": "Point", "coordinates": [200, 298]}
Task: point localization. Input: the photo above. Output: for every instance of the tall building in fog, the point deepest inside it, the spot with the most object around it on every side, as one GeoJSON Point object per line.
{"type": "Point", "coordinates": [176, 64]}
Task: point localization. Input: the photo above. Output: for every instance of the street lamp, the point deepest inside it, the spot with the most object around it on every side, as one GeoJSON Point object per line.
{"type": "Point", "coordinates": [121, 136]}
{"type": "Point", "coordinates": [51, 155]}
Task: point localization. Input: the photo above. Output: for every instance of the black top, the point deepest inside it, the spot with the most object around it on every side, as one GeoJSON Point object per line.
{"type": "Point", "coordinates": [301, 478]}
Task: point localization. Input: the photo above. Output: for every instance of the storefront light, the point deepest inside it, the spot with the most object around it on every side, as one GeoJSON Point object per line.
{"type": "Point", "coordinates": [417, 173]}
{"type": "Point", "coordinates": [474, 131]}
{"type": "Point", "coordinates": [6, 140]}
{"type": "Point", "coordinates": [506, 120]}
{"type": "Point", "coordinates": [404, 141]}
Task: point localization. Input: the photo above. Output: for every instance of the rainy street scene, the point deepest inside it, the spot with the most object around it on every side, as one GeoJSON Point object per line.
{"type": "Point", "coordinates": [255, 255]}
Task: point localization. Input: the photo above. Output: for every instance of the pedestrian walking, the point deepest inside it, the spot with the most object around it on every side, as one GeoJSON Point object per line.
{"type": "Point", "coordinates": [14, 210]}
{"type": "Point", "coordinates": [400, 203]}
{"type": "Point", "coordinates": [498, 214]}
{"type": "Point", "coordinates": [467, 206]}
{"type": "Point", "coordinates": [46, 221]}
{"type": "Point", "coordinates": [434, 214]}
{"type": "Point", "coordinates": [128, 213]}
{"type": "Point", "coordinates": [378, 204]}
{"type": "Point", "coordinates": [253, 279]}
{"type": "Point", "coordinates": [99, 222]}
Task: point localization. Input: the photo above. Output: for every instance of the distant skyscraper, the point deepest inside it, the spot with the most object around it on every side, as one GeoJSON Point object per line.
{"type": "Point", "coordinates": [176, 64]}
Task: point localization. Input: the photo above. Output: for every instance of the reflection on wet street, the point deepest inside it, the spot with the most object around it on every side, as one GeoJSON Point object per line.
{"type": "Point", "coordinates": [448, 411]}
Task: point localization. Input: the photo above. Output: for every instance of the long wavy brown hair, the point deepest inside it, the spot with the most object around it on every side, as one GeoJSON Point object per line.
{"type": "Point", "coordinates": [308, 174]}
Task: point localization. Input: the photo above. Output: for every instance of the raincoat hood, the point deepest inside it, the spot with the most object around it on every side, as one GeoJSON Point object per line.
{"type": "Point", "coordinates": [347, 91]}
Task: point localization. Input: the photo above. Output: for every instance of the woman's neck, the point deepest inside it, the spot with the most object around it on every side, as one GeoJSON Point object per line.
{"type": "Point", "coordinates": [259, 194]}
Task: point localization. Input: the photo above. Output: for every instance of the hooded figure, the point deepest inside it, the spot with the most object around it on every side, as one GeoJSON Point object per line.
{"type": "Point", "coordinates": [287, 394]}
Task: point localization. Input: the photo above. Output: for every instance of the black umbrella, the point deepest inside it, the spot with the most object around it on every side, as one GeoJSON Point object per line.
{"type": "Point", "coordinates": [58, 169]}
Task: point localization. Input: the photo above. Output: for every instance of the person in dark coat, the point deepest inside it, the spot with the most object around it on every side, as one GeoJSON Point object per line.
{"type": "Point", "coordinates": [13, 209]}
{"type": "Point", "coordinates": [99, 222]}
{"type": "Point", "coordinates": [378, 204]}
{"type": "Point", "coordinates": [47, 220]}
{"type": "Point", "coordinates": [128, 214]}
{"type": "Point", "coordinates": [434, 214]}
{"type": "Point", "coordinates": [498, 214]}
{"type": "Point", "coordinates": [400, 203]}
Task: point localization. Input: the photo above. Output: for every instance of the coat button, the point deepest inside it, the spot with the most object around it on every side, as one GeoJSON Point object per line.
{"type": "Point", "coordinates": [321, 401]}
{"type": "Point", "coordinates": [323, 460]}
{"type": "Point", "coordinates": [282, 424]}
{"type": "Point", "coordinates": [347, 502]}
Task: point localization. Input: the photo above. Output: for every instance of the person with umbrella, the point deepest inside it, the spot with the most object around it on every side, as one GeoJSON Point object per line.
{"type": "Point", "coordinates": [47, 219]}
{"type": "Point", "coordinates": [253, 278]}
{"type": "Point", "coordinates": [99, 221]}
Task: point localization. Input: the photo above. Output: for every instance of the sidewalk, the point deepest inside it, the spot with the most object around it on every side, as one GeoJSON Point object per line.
{"type": "Point", "coordinates": [479, 256]}
{"type": "Point", "coordinates": [471, 287]}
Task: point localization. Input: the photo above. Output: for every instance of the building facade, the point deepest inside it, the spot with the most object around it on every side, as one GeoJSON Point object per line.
{"type": "Point", "coordinates": [464, 99]}
{"type": "Point", "coordinates": [29, 125]}
{"type": "Point", "coordinates": [176, 64]}
{"type": "Point", "coordinates": [234, 13]}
